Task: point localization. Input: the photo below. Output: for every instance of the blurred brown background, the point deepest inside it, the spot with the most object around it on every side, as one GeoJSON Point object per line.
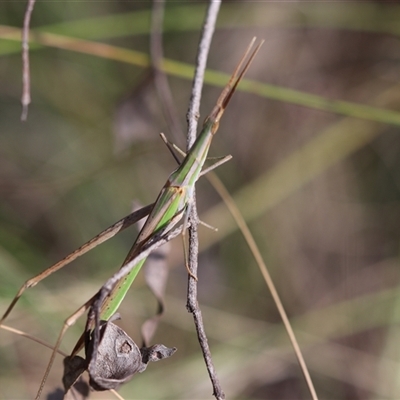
{"type": "Point", "coordinates": [318, 187]}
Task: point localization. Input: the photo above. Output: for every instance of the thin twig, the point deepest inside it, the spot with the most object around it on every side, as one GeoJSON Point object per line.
{"type": "Point", "coordinates": [26, 81]}
{"type": "Point", "coordinates": [160, 77]}
{"type": "Point", "coordinates": [192, 117]}
{"type": "Point", "coordinates": [170, 113]}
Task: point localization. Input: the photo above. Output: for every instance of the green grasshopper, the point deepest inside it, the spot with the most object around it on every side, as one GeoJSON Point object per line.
{"type": "Point", "coordinates": [173, 201]}
{"type": "Point", "coordinates": [172, 204]}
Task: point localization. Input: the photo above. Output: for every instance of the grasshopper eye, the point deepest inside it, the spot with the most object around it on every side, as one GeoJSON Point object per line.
{"type": "Point", "coordinates": [215, 126]}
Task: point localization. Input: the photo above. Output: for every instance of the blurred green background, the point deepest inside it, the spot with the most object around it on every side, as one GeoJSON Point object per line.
{"type": "Point", "coordinates": [315, 171]}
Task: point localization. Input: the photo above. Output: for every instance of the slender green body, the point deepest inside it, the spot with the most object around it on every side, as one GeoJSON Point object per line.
{"type": "Point", "coordinates": [173, 199]}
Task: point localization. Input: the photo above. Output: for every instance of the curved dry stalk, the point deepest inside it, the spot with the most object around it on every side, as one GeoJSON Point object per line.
{"type": "Point", "coordinates": [236, 214]}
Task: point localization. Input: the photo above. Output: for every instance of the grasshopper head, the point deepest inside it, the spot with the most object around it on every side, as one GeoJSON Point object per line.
{"type": "Point", "coordinates": [214, 117]}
